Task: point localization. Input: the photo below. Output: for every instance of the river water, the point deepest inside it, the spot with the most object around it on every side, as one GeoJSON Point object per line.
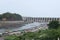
{"type": "Point", "coordinates": [26, 26]}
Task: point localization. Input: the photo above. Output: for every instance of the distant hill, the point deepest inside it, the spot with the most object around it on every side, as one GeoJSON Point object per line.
{"type": "Point", "coordinates": [10, 17]}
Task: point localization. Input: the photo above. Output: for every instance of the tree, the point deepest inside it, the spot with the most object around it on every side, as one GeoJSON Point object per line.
{"type": "Point", "coordinates": [49, 34]}
{"type": "Point", "coordinates": [0, 17]}
{"type": "Point", "coordinates": [11, 16]}
{"type": "Point", "coordinates": [53, 25]}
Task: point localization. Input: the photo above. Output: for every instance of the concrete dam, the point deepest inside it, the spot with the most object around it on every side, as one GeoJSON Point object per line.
{"type": "Point", "coordinates": [27, 20]}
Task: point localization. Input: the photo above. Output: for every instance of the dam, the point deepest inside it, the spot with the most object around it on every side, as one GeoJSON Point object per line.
{"type": "Point", "coordinates": [25, 23]}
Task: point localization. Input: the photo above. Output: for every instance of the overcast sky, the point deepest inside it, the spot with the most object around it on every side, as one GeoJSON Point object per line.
{"type": "Point", "coordinates": [33, 8]}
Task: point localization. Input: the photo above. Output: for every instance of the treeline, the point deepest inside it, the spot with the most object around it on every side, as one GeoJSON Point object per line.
{"type": "Point", "coordinates": [10, 16]}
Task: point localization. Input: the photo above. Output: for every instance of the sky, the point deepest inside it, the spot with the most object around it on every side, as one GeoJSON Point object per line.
{"type": "Point", "coordinates": [31, 8]}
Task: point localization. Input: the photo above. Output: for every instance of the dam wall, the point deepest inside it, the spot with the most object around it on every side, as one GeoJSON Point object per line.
{"type": "Point", "coordinates": [40, 19]}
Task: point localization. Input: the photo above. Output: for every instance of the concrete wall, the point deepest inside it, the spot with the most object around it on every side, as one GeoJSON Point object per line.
{"type": "Point", "coordinates": [11, 23]}
{"type": "Point", "coordinates": [40, 19]}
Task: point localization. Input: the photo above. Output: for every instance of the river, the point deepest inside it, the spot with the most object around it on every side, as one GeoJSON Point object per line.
{"type": "Point", "coordinates": [26, 26]}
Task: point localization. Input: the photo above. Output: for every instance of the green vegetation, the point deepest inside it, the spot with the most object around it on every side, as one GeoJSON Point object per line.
{"type": "Point", "coordinates": [53, 24]}
{"type": "Point", "coordinates": [53, 33]}
{"type": "Point", "coordinates": [41, 35]}
{"type": "Point", "coordinates": [11, 37]}
{"type": "Point", "coordinates": [11, 16]}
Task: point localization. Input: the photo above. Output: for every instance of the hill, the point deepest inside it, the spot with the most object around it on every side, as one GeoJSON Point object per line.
{"type": "Point", "coordinates": [10, 17]}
